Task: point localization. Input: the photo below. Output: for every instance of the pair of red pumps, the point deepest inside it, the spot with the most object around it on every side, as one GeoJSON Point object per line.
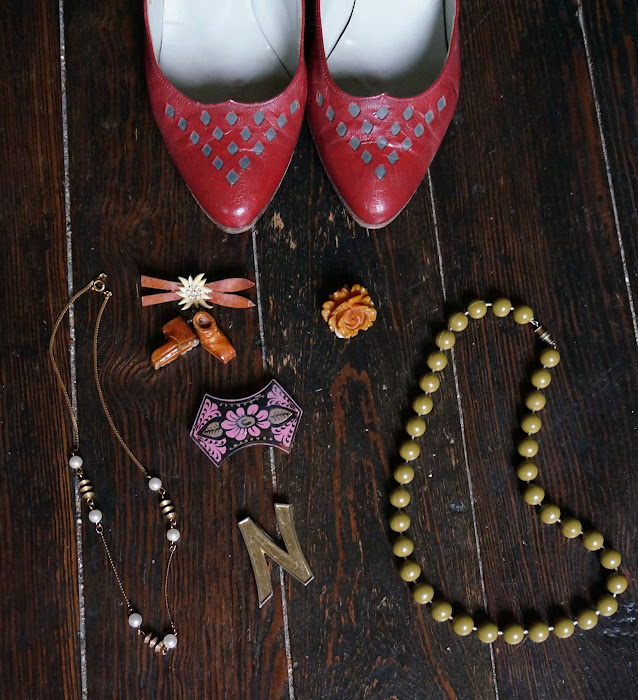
{"type": "Point", "coordinates": [228, 86]}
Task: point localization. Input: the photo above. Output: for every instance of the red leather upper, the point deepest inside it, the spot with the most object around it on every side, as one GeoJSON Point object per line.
{"type": "Point", "coordinates": [232, 155]}
{"type": "Point", "coordinates": [376, 150]}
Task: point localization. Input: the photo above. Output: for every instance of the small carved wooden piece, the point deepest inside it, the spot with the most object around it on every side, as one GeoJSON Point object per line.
{"type": "Point", "coordinates": [181, 339]}
{"type": "Point", "coordinates": [212, 338]}
{"type": "Point", "coordinates": [349, 311]}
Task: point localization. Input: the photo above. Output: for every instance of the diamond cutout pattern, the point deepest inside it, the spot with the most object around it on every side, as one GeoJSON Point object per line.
{"type": "Point", "coordinates": [418, 130]}
{"type": "Point", "coordinates": [244, 162]}
{"type": "Point", "coordinates": [354, 109]}
{"type": "Point", "coordinates": [393, 157]}
{"type": "Point", "coordinates": [383, 112]}
{"type": "Point", "coordinates": [270, 134]}
{"type": "Point", "coordinates": [231, 118]}
{"type": "Point", "coordinates": [441, 104]}
{"type": "Point", "coordinates": [429, 116]}
{"type": "Point", "coordinates": [218, 133]}
{"type": "Point", "coordinates": [380, 172]}
{"type": "Point", "coordinates": [320, 99]}
{"type": "Point", "coordinates": [258, 117]}
{"type": "Point", "coordinates": [205, 118]}
{"type": "Point", "coordinates": [281, 120]}
{"type": "Point", "coordinates": [233, 148]}
{"type": "Point", "coordinates": [294, 107]}
{"type": "Point", "coordinates": [170, 112]}
{"type": "Point", "coordinates": [407, 144]}
{"type": "Point", "coordinates": [218, 163]}
{"type": "Point", "coordinates": [194, 137]}
{"type": "Point", "coordinates": [366, 157]}
{"type": "Point", "coordinates": [395, 128]}
{"type": "Point", "coordinates": [382, 142]}
{"type": "Point", "coordinates": [341, 129]}
{"type": "Point", "coordinates": [258, 148]}
{"type": "Point", "coordinates": [354, 143]}
{"type": "Point", "coordinates": [182, 123]}
{"type": "Point", "coordinates": [407, 114]}
{"type": "Point", "coordinates": [367, 127]}
{"type": "Point", "coordinates": [246, 133]}
{"type": "Point", "coordinates": [207, 150]}
{"type": "Point", "coordinates": [232, 177]}
{"type": "Point", "coordinates": [330, 113]}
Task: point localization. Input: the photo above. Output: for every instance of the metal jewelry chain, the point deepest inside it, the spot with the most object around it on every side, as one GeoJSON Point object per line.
{"type": "Point", "coordinates": [86, 488]}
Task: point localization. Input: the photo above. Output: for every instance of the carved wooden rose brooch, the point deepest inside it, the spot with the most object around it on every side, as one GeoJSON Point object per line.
{"type": "Point", "coordinates": [348, 311]}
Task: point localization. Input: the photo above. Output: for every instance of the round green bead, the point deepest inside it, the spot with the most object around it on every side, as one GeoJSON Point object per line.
{"type": "Point", "coordinates": [513, 634]}
{"type": "Point", "coordinates": [538, 632]}
{"type": "Point", "coordinates": [400, 497]}
{"type": "Point", "coordinates": [399, 521]}
{"type": "Point", "coordinates": [445, 340]}
{"type": "Point", "coordinates": [437, 361]}
{"type": "Point", "coordinates": [441, 610]}
{"type": "Point", "coordinates": [501, 307]}
{"type": "Point", "coordinates": [409, 450]}
{"type": "Point", "coordinates": [429, 383]}
{"type": "Point", "coordinates": [607, 605]}
{"type": "Point", "coordinates": [527, 471]}
{"type": "Point", "coordinates": [409, 570]}
{"type": "Point", "coordinates": [527, 447]}
{"type": "Point", "coordinates": [403, 547]}
{"type": "Point", "coordinates": [457, 322]}
{"type": "Point", "coordinates": [415, 427]}
{"type": "Point", "coordinates": [550, 358]}
{"type": "Point", "coordinates": [610, 559]}
{"type": "Point", "coordinates": [477, 309]}
{"type": "Point", "coordinates": [404, 474]}
{"type": "Point", "coordinates": [563, 628]}
{"type": "Point", "coordinates": [593, 540]}
{"type": "Point", "coordinates": [423, 404]}
{"type": "Point", "coordinates": [549, 513]}
{"type": "Point", "coordinates": [487, 632]}
{"type": "Point", "coordinates": [616, 583]}
{"type": "Point", "coordinates": [533, 495]}
{"type": "Point", "coordinates": [587, 619]}
{"type": "Point", "coordinates": [423, 593]}
{"type": "Point", "coordinates": [523, 314]}
{"type": "Point", "coordinates": [541, 378]}
{"type": "Point", "coordinates": [462, 625]}
{"type": "Point", "coordinates": [571, 528]}
{"type": "Point", "coordinates": [531, 423]}
{"type": "Point", "coordinates": [535, 401]}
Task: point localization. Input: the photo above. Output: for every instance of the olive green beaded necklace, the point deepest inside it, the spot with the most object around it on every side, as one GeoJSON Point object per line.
{"type": "Point", "coordinates": [534, 495]}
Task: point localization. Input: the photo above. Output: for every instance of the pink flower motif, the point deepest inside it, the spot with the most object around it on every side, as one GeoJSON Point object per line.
{"type": "Point", "coordinates": [240, 423]}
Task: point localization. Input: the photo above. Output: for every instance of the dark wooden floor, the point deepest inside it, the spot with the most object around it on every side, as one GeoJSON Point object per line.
{"type": "Point", "coordinates": [533, 194]}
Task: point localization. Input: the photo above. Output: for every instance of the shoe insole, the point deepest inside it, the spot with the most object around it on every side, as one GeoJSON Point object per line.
{"type": "Point", "coordinates": [216, 50]}
{"type": "Point", "coordinates": [393, 46]}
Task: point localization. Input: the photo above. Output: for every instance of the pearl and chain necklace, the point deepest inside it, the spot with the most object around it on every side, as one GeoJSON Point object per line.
{"type": "Point", "coordinates": [87, 492]}
{"type": "Point", "coordinates": [403, 547]}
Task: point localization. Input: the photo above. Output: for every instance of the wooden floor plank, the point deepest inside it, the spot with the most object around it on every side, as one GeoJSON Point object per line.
{"type": "Point", "coordinates": [39, 648]}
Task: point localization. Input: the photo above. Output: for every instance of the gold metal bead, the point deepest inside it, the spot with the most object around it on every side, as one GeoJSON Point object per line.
{"type": "Point", "coordinates": [399, 521]}
{"type": "Point", "coordinates": [533, 495]}
{"type": "Point", "coordinates": [523, 314]}
{"type": "Point", "coordinates": [441, 610]}
{"type": "Point", "coordinates": [403, 547]}
{"type": "Point", "coordinates": [86, 489]}
{"type": "Point", "coordinates": [616, 583]}
{"type": "Point", "coordinates": [477, 309]}
{"type": "Point", "coordinates": [531, 423]}
{"type": "Point", "coordinates": [538, 632]}
{"type": "Point", "coordinates": [527, 471]}
{"type": "Point", "coordinates": [610, 559]}
{"type": "Point", "coordinates": [404, 474]}
{"type": "Point", "coordinates": [423, 404]}
{"type": "Point", "coordinates": [437, 361]}
{"type": "Point", "coordinates": [409, 450]}
{"type": "Point", "coordinates": [487, 632]}
{"type": "Point", "coordinates": [445, 340]}
{"type": "Point", "coordinates": [501, 307]}
{"type": "Point", "coordinates": [541, 379]}
{"type": "Point", "coordinates": [571, 528]}
{"type": "Point", "coordinates": [462, 625]}
{"type": "Point", "coordinates": [550, 358]}
{"type": "Point", "coordinates": [607, 605]}
{"type": "Point", "coordinates": [423, 593]}
{"type": "Point", "coordinates": [563, 628]}
{"type": "Point", "coordinates": [535, 401]}
{"type": "Point", "coordinates": [549, 513]}
{"type": "Point", "coordinates": [429, 383]}
{"type": "Point", "coordinates": [167, 508]}
{"type": "Point", "coordinates": [593, 540]}
{"type": "Point", "coordinates": [415, 427]}
{"type": "Point", "coordinates": [457, 322]}
{"type": "Point", "coordinates": [409, 570]}
{"type": "Point", "coordinates": [400, 497]}
{"type": "Point", "coordinates": [587, 619]}
{"type": "Point", "coordinates": [513, 634]}
{"type": "Point", "coordinates": [528, 447]}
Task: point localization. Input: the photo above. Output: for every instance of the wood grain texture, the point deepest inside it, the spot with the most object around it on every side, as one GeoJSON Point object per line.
{"type": "Point", "coordinates": [39, 647]}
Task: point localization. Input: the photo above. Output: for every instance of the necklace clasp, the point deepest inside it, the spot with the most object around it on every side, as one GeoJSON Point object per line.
{"type": "Point", "coordinates": [99, 284]}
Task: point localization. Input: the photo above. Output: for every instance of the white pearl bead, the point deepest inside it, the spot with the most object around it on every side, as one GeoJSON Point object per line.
{"type": "Point", "coordinates": [155, 484]}
{"type": "Point", "coordinates": [95, 516]}
{"type": "Point", "coordinates": [173, 535]}
{"type": "Point", "coordinates": [135, 620]}
{"type": "Point", "coordinates": [170, 641]}
{"type": "Point", "coordinates": [76, 462]}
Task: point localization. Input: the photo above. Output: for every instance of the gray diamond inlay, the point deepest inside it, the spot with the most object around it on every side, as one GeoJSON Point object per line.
{"type": "Point", "coordinates": [407, 114]}
{"type": "Point", "coordinates": [355, 143]}
{"type": "Point", "coordinates": [393, 157]}
{"type": "Point", "coordinates": [258, 117]}
{"type": "Point", "coordinates": [441, 104]}
{"type": "Point", "coordinates": [218, 163]}
{"type": "Point", "coordinates": [270, 134]}
{"type": "Point", "coordinates": [195, 137]}
{"type": "Point", "coordinates": [429, 116]}
{"type": "Point", "coordinates": [218, 133]}
{"type": "Point", "coordinates": [207, 150]}
{"type": "Point", "coordinates": [244, 162]}
{"type": "Point", "coordinates": [382, 142]}
{"type": "Point", "coordinates": [170, 112]}
{"type": "Point", "coordinates": [231, 118]}
{"type": "Point", "coordinates": [380, 172]}
{"type": "Point", "coordinates": [294, 107]}
{"type": "Point", "coordinates": [383, 113]}
{"type": "Point", "coordinates": [205, 118]}
{"type": "Point", "coordinates": [354, 109]}
{"type": "Point", "coordinates": [418, 130]}
{"type": "Point", "coordinates": [367, 127]}
{"type": "Point", "coordinates": [330, 113]}
{"type": "Point", "coordinates": [320, 99]}
{"type": "Point", "coordinates": [281, 120]}
{"type": "Point", "coordinates": [182, 124]}
{"type": "Point", "coordinates": [395, 128]}
{"type": "Point", "coordinates": [233, 148]}
{"type": "Point", "coordinates": [366, 157]}
{"type": "Point", "coordinates": [246, 133]}
{"type": "Point", "coordinates": [258, 148]}
{"type": "Point", "coordinates": [407, 144]}
{"type": "Point", "coordinates": [341, 129]}
{"type": "Point", "coordinates": [232, 177]}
